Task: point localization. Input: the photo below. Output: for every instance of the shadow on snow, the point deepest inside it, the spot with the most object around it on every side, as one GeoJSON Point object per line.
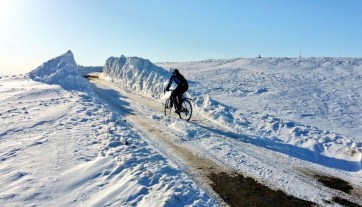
{"type": "Point", "coordinates": [113, 99]}
{"type": "Point", "coordinates": [294, 151]}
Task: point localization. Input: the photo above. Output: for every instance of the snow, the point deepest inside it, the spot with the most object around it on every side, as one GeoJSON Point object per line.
{"type": "Point", "coordinates": [321, 92]}
{"type": "Point", "coordinates": [67, 142]}
{"type": "Point", "coordinates": [63, 71]}
{"type": "Point", "coordinates": [66, 148]}
{"type": "Point", "coordinates": [137, 74]}
{"type": "Point", "coordinates": [302, 102]}
{"type": "Point", "coordinates": [261, 159]}
{"type": "Point", "coordinates": [286, 98]}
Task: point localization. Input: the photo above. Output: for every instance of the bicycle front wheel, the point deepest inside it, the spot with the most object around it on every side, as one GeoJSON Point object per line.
{"type": "Point", "coordinates": [186, 110]}
{"type": "Point", "coordinates": [168, 107]}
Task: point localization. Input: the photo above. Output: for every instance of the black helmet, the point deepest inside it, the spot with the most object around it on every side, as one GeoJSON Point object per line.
{"type": "Point", "coordinates": [175, 71]}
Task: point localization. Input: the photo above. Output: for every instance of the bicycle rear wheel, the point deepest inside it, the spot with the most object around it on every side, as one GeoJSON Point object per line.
{"type": "Point", "coordinates": [168, 107]}
{"type": "Point", "coordinates": [186, 110]}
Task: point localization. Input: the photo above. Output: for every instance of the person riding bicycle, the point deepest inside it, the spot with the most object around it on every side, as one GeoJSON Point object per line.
{"type": "Point", "coordinates": [182, 87]}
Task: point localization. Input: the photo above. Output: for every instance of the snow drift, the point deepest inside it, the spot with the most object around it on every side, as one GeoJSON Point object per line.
{"type": "Point", "coordinates": [62, 71]}
{"type": "Point", "coordinates": [137, 74]}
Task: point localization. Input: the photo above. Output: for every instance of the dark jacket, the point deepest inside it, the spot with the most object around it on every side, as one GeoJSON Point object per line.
{"type": "Point", "coordinates": [178, 79]}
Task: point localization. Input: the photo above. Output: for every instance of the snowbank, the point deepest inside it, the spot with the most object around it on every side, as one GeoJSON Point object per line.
{"type": "Point", "coordinates": [62, 71]}
{"type": "Point", "coordinates": [137, 74]}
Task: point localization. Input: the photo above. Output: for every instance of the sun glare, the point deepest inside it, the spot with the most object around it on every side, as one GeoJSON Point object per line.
{"type": "Point", "coordinates": [4, 8]}
{"type": "Point", "coordinates": [4, 5]}
{"type": "Point", "coordinates": [7, 8]}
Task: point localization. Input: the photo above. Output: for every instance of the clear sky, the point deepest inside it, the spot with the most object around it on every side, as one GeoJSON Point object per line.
{"type": "Point", "coordinates": [34, 31]}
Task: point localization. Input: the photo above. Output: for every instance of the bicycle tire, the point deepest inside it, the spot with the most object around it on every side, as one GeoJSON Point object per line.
{"type": "Point", "coordinates": [168, 107]}
{"type": "Point", "coordinates": [186, 112]}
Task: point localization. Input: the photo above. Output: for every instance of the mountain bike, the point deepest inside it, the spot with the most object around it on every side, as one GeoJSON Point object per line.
{"type": "Point", "coordinates": [186, 107]}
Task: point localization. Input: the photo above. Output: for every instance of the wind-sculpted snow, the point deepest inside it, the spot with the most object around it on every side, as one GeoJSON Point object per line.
{"type": "Point", "coordinates": [63, 71]}
{"type": "Point", "coordinates": [137, 74]}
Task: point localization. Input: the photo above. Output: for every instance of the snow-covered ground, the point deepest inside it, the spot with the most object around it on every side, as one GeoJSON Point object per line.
{"type": "Point", "coordinates": [216, 89]}
{"type": "Point", "coordinates": [283, 100]}
{"type": "Point", "coordinates": [278, 120]}
{"type": "Point", "coordinates": [65, 148]}
{"type": "Point", "coordinates": [312, 103]}
{"type": "Point", "coordinates": [319, 92]}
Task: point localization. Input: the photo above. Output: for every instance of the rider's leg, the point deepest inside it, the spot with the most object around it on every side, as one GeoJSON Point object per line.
{"type": "Point", "coordinates": [177, 93]}
{"type": "Point", "coordinates": [179, 97]}
{"type": "Point", "coordinates": [183, 88]}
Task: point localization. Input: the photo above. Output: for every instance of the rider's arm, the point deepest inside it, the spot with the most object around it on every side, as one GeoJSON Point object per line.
{"type": "Point", "coordinates": [169, 83]}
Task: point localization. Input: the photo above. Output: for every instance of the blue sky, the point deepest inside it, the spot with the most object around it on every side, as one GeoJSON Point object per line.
{"type": "Point", "coordinates": [31, 32]}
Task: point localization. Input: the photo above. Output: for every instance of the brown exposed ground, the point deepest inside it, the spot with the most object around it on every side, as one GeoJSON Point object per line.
{"type": "Point", "coordinates": [338, 184]}
{"type": "Point", "coordinates": [90, 76]}
{"type": "Point", "coordinates": [237, 190]}
{"type": "Point", "coordinates": [335, 183]}
{"type": "Point", "coordinates": [345, 202]}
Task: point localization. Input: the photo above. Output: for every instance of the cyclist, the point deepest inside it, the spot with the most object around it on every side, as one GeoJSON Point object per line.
{"type": "Point", "coordinates": [182, 86]}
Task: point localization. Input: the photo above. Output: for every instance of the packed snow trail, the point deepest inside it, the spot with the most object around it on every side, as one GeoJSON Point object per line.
{"type": "Point", "coordinates": [192, 144]}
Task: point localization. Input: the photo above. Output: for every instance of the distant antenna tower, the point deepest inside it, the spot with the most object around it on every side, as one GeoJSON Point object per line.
{"type": "Point", "coordinates": [300, 53]}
